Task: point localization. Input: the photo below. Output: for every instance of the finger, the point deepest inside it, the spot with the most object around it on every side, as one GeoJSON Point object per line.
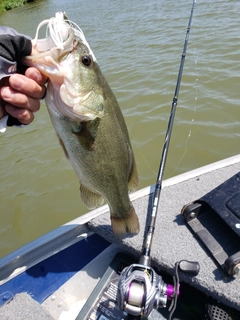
{"type": "Point", "coordinates": [26, 86]}
{"type": "Point", "coordinates": [19, 100]}
{"type": "Point", "coordinates": [25, 116]}
{"type": "Point", "coordinates": [36, 75]}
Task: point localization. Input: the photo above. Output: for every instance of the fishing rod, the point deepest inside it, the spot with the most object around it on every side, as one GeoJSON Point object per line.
{"type": "Point", "coordinates": [140, 288]}
{"type": "Point", "coordinates": [145, 259]}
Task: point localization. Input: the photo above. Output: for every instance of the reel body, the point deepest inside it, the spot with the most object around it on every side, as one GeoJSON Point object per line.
{"type": "Point", "coordinates": [141, 289]}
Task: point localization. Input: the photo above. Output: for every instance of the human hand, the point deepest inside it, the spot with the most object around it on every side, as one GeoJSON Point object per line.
{"type": "Point", "coordinates": [21, 94]}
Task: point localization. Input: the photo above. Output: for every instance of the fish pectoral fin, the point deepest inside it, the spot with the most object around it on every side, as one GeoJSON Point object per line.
{"type": "Point", "coordinates": [91, 199]}
{"type": "Point", "coordinates": [84, 136]}
{"type": "Point", "coordinates": [133, 181]}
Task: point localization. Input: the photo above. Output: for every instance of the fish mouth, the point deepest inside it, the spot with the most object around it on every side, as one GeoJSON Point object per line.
{"type": "Point", "coordinates": [60, 35]}
{"type": "Point", "coordinates": [50, 53]}
{"type": "Point", "coordinates": [59, 41]}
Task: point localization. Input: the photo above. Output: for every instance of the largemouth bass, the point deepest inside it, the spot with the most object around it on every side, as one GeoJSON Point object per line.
{"type": "Point", "coordinates": [88, 121]}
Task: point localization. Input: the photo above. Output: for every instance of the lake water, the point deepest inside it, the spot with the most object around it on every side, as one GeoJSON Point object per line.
{"type": "Point", "coordinates": [139, 46]}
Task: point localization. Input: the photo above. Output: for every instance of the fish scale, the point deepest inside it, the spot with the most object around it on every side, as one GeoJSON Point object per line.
{"type": "Point", "coordinates": [89, 123]}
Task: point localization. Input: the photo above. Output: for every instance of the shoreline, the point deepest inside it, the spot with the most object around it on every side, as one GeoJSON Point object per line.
{"type": "Point", "coordinates": [6, 5]}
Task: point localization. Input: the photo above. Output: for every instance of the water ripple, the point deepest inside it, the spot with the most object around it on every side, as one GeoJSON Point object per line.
{"type": "Point", "coordinates": [138, 46]}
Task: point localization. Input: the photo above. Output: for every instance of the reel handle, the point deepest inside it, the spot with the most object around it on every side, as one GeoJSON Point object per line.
{"type": "Point", "coordinates": [190, 267]}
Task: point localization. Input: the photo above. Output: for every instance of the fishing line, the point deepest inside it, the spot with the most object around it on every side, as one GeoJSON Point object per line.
{"type": "Point", "coordinates": [189, 133]}
{"type": "Point", "coordinates": [136, 146]}
{"type": "Point", "coordinates": [191, 121]}
{"type": "Point", "coordinates": [145, 160]}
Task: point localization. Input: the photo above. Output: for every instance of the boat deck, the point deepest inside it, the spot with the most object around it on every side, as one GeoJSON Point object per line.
{"type": "Point", "coordinates": [172, 240]}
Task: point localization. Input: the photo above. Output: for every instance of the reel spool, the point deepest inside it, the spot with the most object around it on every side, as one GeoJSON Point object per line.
{"type": "Point", "coordinates": [141, 289]}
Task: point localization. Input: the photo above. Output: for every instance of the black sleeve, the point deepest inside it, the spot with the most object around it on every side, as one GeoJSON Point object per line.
{"type": "Point", "coordinates": [13, 48]}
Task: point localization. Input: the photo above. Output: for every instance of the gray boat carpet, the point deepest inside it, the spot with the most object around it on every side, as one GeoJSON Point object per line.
{"type": "Point", "coordinates": [23, 307]}
{"type": "Point", "coordinates": [173, 241]}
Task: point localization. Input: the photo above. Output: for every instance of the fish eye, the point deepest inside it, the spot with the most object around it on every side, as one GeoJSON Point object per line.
{"type": "Point", "coordinates": [86, 60]}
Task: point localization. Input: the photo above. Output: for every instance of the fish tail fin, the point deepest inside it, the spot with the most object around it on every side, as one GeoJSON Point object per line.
{"type": "Point", "coordinates": [127, 224]}
{"type": "Point", "coordinates": [91, 200]}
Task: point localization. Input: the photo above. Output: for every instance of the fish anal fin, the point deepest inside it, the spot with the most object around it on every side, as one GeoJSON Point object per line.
{"type": "Point", "coordinates": [128, 224]}
{"type": "Point", "coordinates": [133, 181]}
{"type": "Point", "coordinates": [91, 199]}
